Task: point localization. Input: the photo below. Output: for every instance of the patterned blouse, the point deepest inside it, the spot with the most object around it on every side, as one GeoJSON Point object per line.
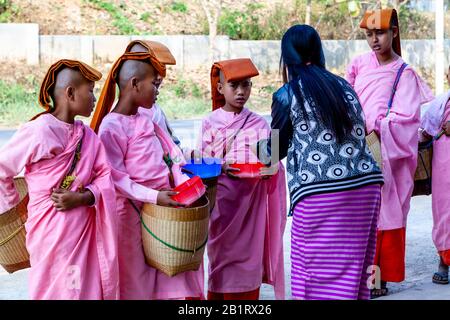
{"type": "Point", "coordinates": [316, 162]}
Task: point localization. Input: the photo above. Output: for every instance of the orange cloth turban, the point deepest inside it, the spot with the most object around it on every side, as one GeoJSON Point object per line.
{"type": "Point", "coordinates": [49, 80]}
{"type": "Point", "coordinates": [233, 70]}
{"type": "Point", "coordinates": [382, 19]}
{"type": "Point", "coordinates": [108, 94]}
{"type": "Point", "coordinates": [161, 52]}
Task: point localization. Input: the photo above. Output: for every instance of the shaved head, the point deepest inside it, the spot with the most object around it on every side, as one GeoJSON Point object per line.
{"type": "Point", "coordinates": [221, 77]}
{"type": "Point", "coordinates": [72, 94]}
{"type": "Point", "coordinates": [138, 48]}
{"type": "Point", "coordinates": [65, 78]}
{"type": "Point", "coordinates": [134, 69]}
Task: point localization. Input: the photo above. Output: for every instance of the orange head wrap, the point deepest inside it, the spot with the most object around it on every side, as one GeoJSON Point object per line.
{"type": "Point", "coordinates": [232, 70]}
{"type": "Point", "coordinates": [108, 94]}
{"type": "Point", "coordinates": [49, 80]}
{"type": "Point", "coordinates": [161, 52]}
{"type": "Point", "coordinates": [383, 19]}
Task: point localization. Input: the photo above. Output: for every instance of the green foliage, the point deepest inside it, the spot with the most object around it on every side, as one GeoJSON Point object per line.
{"type": "Point", "coordinates": [278, 22]}
{"type": "Point", "coordinates": [178, 108]}
{"type": "Point", "coordinates": [414, 21]}
{"type": "Point", "coordinates": [145, 16]}
{"type": "Point", "coordinates": [252, 24]}
{"type": "Point", "coordinates": [4, 5]}
{"type": "Point", "coordinates": [17, 104]}
{"type": "Point", "coordinates": [269, 89]}
{"type": "Point", "coordinates": [231, 23]}
{"type": "Point", "coordinates": [180, 100]}
{"type": "Point", "coordinates": [179, 6]}
{"type": "Point", "coordinates": [241, 24]}
{"type": "Point", "coordinates": [184, 88]}
{"type": "Point", "coordinates": [5, 17]}
{"type": "Point", "coordinates": [7, 11]}
{"type": "Point", "coordinates": [120, 21]}
{"type": "Point", "coordinates": [337, 17]}
{"type": "Point", "coordinates": [183, 99]}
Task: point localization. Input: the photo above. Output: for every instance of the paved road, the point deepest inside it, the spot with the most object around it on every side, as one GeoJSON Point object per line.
{"type": "Point", "coordinates": [421, 257]}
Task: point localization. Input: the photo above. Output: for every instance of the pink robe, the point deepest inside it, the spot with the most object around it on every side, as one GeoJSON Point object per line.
{"type": "Point", "coordinates": [134, 145]}
{"type": "Point", "coordinates": [245, 244]}
{"type": "Point", "coordinates": [398, 131]}
{"type": "Point", "coordinates": [73, 253]}
{"type": "Point", "coordinates": [158, 117]}
{"type": "Point", "coordinates": [441, 186]}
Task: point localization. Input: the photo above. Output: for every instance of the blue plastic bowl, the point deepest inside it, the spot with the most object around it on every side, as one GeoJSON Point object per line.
{"type": "Point", "coordinates": [207, 168]}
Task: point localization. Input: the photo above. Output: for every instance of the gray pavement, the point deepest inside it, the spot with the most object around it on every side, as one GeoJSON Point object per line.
{"type": "Point", "coordinates": [421, 257]}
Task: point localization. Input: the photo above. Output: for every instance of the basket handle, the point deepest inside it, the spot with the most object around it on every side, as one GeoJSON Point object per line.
{"type": "Point", "coordinates": [162, 241]}
{"type": "Point", "coordinates": [12, 235]}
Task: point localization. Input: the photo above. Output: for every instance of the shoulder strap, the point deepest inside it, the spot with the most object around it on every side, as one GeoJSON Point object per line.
{"type": "Point", "coordinates": [69, 178]}
{"type": "Point", "coordinates": [440, 134]}
{"type": "Point", "coordinates": [394, 87]}
{"type": "Point", "coordinates": [226, 148]}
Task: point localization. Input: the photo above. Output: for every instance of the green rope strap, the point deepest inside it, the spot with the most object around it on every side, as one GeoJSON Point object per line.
{"type": "Point", "coordinates": [162, 241]}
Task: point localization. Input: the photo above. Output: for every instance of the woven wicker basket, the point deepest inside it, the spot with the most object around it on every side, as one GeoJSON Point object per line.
{"type": "Point", "coordinates": [13, 252]}
{"type": "Point", "coordinates": [174, 239]}
{"type": "Point", "coordinates": [211, 191]}
{"type": "Point", "coordinates": [424, 159]}
{"type": "Point", "coordinates": [422, 176]}
{"type": "Point", "coordinates": [374, 145]}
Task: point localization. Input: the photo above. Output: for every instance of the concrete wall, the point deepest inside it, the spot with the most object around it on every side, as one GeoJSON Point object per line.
{"type": "Point", "coordinates": [23, 42]}
{"type": "Point", "coordinates": [19, 42]}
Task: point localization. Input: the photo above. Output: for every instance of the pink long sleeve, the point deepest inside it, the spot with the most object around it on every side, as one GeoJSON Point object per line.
{"type": "Point", "coordinates": [27, 146]}
{"type": "Point", "coordinates": [116, 146]}
{"type": "Point", "coordinates": [101, 171]}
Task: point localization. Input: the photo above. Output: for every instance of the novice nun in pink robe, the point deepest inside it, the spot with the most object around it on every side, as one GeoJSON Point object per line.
{"type": "Point", "coordinates": [73, 253]}
{"type": "Point", "coordinates": [135, 146]}
{"type": "Point", "coordinates": [245, 243]}
{"type": "Point", "coordinates": [164, 55]}
{"type": "Point", "coordinates": [373, 82]}
{"type": "Point", "coordinates": [434, 121]}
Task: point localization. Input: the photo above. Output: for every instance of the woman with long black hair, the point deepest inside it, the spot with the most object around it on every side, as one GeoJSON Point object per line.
{"type": "Point", "coordinates": [333, 180]}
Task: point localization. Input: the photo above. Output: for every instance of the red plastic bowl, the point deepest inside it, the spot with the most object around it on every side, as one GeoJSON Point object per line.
{"type": "Point", "coordinates": [189, 191]}
{"type": "Point", "coordinates": [247, 170]}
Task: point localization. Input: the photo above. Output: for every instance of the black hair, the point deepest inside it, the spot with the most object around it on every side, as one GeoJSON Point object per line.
{"type": "Point", "coordinates": [302, 56]}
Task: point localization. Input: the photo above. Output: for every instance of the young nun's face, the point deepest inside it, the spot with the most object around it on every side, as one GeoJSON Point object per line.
{"type": "Point", "coordinates": [380, 41]}
{"type": "Point", "coordinates": [83, 102]}
{"type": "Point", "coordinates": [236, 93]}
{"type": "Point", "coordinates": [140, 48]}
{"type": "Point", "coordinates": [158, 81]}
{"type": "Point", "coordinates": [147, 91]}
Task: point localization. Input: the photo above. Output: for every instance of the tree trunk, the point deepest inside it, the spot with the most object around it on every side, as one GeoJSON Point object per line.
{"type": "Point", "coordinates": [212, 10]}
{"type": "Point", "coordinates": [308, 12]}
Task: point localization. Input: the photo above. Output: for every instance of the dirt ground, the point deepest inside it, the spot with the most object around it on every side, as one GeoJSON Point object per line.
{"type": "Point", "coordinates": [83, 17]}
{"type": "Point", "coordinates": [71, 17]}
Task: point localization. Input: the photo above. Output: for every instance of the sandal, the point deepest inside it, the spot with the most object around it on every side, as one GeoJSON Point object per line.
{"type": "Point", "coordinates": [440, 278]}
{"type": "Point", "coordinates": [377, 293]}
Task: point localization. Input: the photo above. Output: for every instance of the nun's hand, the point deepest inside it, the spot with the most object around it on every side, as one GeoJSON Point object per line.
{"type": "Point", "coordinates": [229, 171]}
{"type": "Point", "coordinates": [446, 128]}
{"type": "Point", "coordinates": [267, 172]}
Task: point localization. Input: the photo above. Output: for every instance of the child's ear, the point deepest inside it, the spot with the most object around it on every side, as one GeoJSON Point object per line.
{"type": "Point", "coordinates": [220, 88]}
{"type": "Point", "coordinates": [134, 83]}
{"type": "Point", "coordinates": [70, 93]}
{"type": "Point", "coordinates": [394, 32]}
